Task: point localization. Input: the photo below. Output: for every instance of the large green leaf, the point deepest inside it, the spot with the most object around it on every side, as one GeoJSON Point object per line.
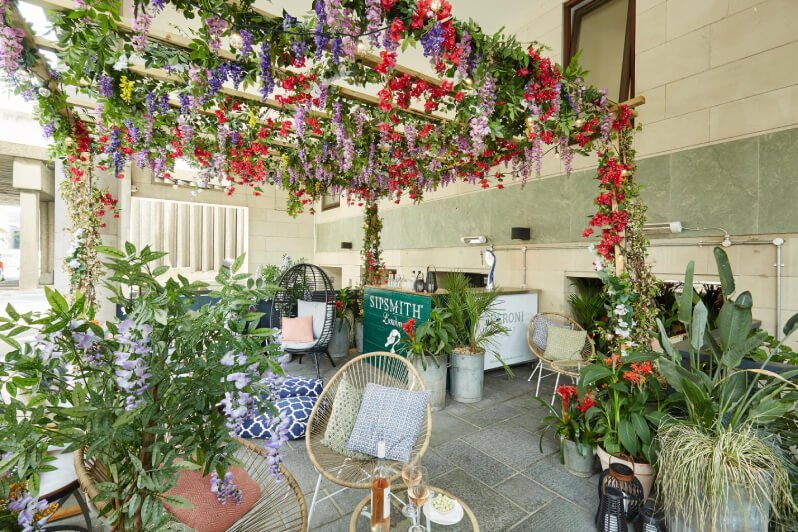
{"type": "Point", "coordinates": [641, 427]}
{"type": "Point", "coordinates": [698, 326]}
{"type": "Point", "coordinates": [110, 251]}
{"type": "Point", "coordinates": [590, 374]}
{"type": "Point", "coordinates": [724, 271]}
{"type": "Point", "coordinates": [628, 437]}
{"type": "Point", "coordinates": [686, 298]}
{"type": "Point", "coordinates": [791, 325]}
{"type": "Point", "coordinates": [175, 501]}
{"type": "Point", "coordinates": [735, 354]}
{"type": "Point", "coordinates": [769, 410]}
{"type": "Point", "coordinates": [734, 321]}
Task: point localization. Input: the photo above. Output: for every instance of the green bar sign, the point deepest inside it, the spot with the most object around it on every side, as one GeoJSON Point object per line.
{"type": "Point", "coordinates": [384, 312]}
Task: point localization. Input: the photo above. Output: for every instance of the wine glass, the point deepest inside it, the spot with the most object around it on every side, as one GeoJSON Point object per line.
{"type": "Point", "coordinates": [412, 474]}
{"type": "Point", "coordinates": [418, 493]}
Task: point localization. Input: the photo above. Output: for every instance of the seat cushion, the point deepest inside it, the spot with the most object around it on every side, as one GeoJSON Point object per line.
{"type": "Point", "coordinates": [293, 386]}
{"type": "Point", "coordinates": [540, 331]}
{"type": "Point", "coordinates": [298, 346]}
{"type": "Point", "coordinates": [564, 344]}
{"type": "Point", "coordinates": [208, 514]}
{"type": "Point", "coordinates": [316, 309]}
{"type": "Point", "coordinates": [392, 415]}
{"type": "Point", "coordinates": [296, 409]}
{"type": "Point", "coordinates": [297, 329]}
{"type": "Point", "coordinates": [342, 419]}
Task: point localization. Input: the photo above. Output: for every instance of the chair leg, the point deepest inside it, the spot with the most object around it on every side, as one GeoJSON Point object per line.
{"type": "Point", "coordinates": [84, 508]}
{"type": "Point", "coordinates": [316, 361]}
{"type": "Point", "coordinates": [540, 376]}
{"type": "Point", "coordinates": [330, 357]}
{"type": "Point", "coordinates": [300, 358]}
{"type": "Point", "coordinates": [313, 501]}
{"type": "Point", "coordinates": [556, 384]}
{"type": "Point", "coordinates": [534, 369]}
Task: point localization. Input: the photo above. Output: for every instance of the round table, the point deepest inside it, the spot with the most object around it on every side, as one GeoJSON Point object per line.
{"type": "Point", "coordinates": [400, 522]}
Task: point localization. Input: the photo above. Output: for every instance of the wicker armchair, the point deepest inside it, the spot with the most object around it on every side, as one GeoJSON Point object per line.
{"type": "Point", "coordinates": [281, 505]}
{"type": "Point", "coordinates": [386, 369]}
{"type": "Point", "coordinates": [588, 351]}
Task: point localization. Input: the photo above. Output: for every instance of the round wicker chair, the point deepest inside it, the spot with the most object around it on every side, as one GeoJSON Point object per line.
{"type": "Point", "coordinates": [386, 369]}
{"type": "Point", "coordinates": [588, 351]}
{"type": "Point", "coordinates": [281, 505]}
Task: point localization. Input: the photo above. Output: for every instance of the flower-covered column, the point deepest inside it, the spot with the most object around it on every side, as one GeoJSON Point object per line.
{"type": "Point", "coordinates": [372, 254]}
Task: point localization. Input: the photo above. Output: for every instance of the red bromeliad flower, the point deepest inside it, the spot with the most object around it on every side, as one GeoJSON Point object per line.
{"type": "Point", "coordinates": [613, 360]}
{"type": "Point", "coordinates": [634, 378]}
{"type": "Point", "coordinates": [409, 327]}
{"type": "Point", "coordinates": [585, 404]}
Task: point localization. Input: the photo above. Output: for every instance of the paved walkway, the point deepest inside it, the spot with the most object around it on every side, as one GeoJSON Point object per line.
{"type": "Point", "coordinates": [486, 453]}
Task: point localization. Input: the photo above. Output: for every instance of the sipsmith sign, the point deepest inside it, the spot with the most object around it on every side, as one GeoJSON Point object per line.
{"type": "Point", "coordinates": [384, 312]}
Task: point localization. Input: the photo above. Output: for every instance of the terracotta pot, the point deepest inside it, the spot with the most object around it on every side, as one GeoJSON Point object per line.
{"type": "Point", "coordinates": [644, 472]}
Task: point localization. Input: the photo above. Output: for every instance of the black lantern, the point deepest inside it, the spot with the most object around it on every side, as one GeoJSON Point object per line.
{"type": "Point", "coordinates": [611, 515]}
{"type": "Point", "coordinates": [651, 519]}
{"type": "Point", "coordinates": [622, 478]}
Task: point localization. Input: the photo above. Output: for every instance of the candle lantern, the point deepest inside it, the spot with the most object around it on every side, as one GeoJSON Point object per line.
{"type": "Point", "coordinates": [611, 516]}
{"type": "Point", "coordinates": [621, 477]}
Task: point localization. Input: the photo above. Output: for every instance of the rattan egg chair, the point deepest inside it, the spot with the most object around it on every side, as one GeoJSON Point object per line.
{"type": "Point", "coordinates": [544, 364]}
{"type": "Point", "coordinates": [305, 289]}
{"type": "Point", "coordinates": [281, 505]}
{"type": "Point", "coordinates": [386, 369]}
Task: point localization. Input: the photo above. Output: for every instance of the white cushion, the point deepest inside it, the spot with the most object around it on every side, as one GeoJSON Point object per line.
{"type": "Point", "coordinates": [317, 309]}
{"type": "Point", "coordinates": [296, 346]}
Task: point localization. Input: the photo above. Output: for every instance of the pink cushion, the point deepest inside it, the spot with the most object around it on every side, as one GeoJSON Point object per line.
{"type": "Point", "coordinates": [298, 329]}
{"type": "Point", "coordinates": [208, 514]}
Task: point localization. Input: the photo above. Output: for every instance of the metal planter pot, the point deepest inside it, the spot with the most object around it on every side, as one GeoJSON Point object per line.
{"type": "Point", "coordinates": [359, 336]}
{"type": "Point", "coordinates": [468, 375]}
{"type": "Point", "coordinates": [434, 378]}
{"type": "Point", "coordinates": [339, 343]}
{"type": "Point", "coordinates": [575, 463]}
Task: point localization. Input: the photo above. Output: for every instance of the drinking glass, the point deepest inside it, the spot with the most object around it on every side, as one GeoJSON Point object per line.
{"type": "Point", "coordinates": [412, 474]}
{"type": "Point", "coordinates": [418, 493]}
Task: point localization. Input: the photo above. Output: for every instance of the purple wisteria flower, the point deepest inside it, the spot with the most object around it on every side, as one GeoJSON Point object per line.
{"type": "Point", "coordinates": [246, 39]}
{"type": "Point", "coordinates": [225, 489]}
{"type": "Point", "coordinates": [105, 85]}
{"type": "Point", "coordinates": [432, 41]}
{"type": "Point", "coordinates": [142, 15]}
{"type": "Point", "coordinates": [320, 37]}
{"type": "Point", "coordinates": [236, 74]}
{"type": "Point", "coordinates": [48, 129]}
{"type": "Point", "coordinates": [336, 48]}
{"type": "Point", "coordinates": [374, 18]}
{"type": "Point", "coordinates": [132, 371]}
{"type": "Point", "coordinates": [299, 121]}
{"type": "Point", "coordinates": [114, 151]}
{"type": "Point", "coordinates": [266, 75]}
{"type": "Point", "coordinates": [28, 507]}
{"type": "Point", "coordinates": [184, 103]}
{"type": "Point", "coordinates": [237, 408]}
{"type": "Point", "coordinates": [46, 346]}
{"type": "Point", "coordinates": [216, 27]}
{"type": "Point", "coordinates": [465, 52]}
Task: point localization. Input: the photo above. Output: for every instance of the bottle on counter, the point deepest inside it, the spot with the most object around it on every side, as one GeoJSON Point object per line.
{"type": "Point", "coordinates": [381, 493]}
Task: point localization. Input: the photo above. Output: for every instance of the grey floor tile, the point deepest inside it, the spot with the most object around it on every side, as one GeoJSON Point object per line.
{"type": "Point", "coordinates": [557, 516]}
{"type": "Point", "coordinates": [459, 409]}
{"type": "Point", "coordinates": [446, 428]}
{"type": "Point", "coordinates": [324, 513]}
{"type": "Point", "coordinates": [493, 511]}
{"type": "Point", "coordinates": [490, 415]}
{"type": "Point", "coordinates": [435, 463]}
{"type": "Point", "coordinates": [298, 464]}
{"type": "Point", "coordinates": [511, 444]}
{"type": "Point", "coordinates": [551, 474]}
{"type": "Point", "coordinates": [526, 493]}
{"type": "Point", "coordinates": [339, 525]}
{"type": "Point", "coordinates": [475, 462]}
{"type": "Point", "coordinates": [347, 500]}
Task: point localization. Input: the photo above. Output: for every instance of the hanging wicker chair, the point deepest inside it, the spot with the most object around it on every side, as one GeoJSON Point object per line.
{"type": "Point", "coordinates": [588, 351]}
{"type": "Point", "coordinates": [386, 369]}
{"type": "Point", "coordinates": [310, 284]}
{"type": "Point", "coordinates": [281, 505]}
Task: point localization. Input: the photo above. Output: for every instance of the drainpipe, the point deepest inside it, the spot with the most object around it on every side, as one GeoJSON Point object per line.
{"type": "Point", "coordinates": [523, 255]}
{"type": "Point", "coordinates": [778, 242]}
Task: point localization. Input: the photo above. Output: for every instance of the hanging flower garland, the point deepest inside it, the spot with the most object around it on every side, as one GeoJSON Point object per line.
{"type": "Point", "coordinates": [372, 252]}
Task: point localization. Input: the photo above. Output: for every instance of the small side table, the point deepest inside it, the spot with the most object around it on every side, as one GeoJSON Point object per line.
{"type": "Point", "coordinates": [361, 520]}
{"type": "Point", "coordinates": [58, 485]}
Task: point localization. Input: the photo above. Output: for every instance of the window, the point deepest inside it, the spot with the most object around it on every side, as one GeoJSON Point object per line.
{"type": "Point", "coordinates": [330, 202]}
{"type": "Point", "coordinates": [604, 30]}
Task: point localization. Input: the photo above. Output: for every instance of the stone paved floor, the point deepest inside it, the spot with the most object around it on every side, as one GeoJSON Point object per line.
{"type": "Point", "coordinates": [486, 453]}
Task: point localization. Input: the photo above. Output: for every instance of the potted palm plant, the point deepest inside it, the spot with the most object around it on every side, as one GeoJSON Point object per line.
{"type": "Point", "coordinates": [427, 346]}
{"type": "Point", "coordinates": [343, 328]}
{"type": "Point", "coordinates": [124, 393]}
{"type": "Point", "coordinates": [721, 466]}
{"type": "Point", "coordinates": [476, 321]}
{"type": "Point", "coordinates": [577, 439]}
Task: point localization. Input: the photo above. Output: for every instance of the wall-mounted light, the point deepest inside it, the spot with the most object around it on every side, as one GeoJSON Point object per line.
{"type": "Point", "coordinates": [520, 233]}
{"type": "Point", "coordinates": [346, 245]}
{"type": "Point", "coordinates": [473, 240]}
{"type": "Point", "coordinates": [663, 227]}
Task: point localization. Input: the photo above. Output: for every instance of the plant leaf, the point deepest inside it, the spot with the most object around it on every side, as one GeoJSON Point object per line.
{"type": "Point", "coordinates": [175, 501]}
{"type": "Point", "coordinates": [734, 356]}
{"type": "Point", "coordinates": [699, 325]}
{"type": "Point", "coordinates": [628, 438]}
{"type": "Point", "coordinates": [724, 271]}
{"type": "Point", "coordinates": [791, 325]}
{"type": "Point", "coordinates": [734, 321]}
{"type": "Point", "coordinates": [686, 299]}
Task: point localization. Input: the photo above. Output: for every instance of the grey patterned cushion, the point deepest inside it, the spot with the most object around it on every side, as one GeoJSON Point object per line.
{"type": "Point", "coordinates": [342, 419]}
{"type": "Point", "coordinates": [392, 415]}
{"type": "Point", "coordinates": [564, 344]}
{"type": "Point", "coordinates": [540, 330]}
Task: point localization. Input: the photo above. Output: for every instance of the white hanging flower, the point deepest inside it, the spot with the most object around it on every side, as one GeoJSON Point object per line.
{"type": "Point", "coordinates": [121, 63]}
{"type": "Point", "coordinates": [591, 248]}
{"type": "Point", "coordinates": [74, 264]}
{"type": "Point", "coordinates": [621, 310]}
{"type": "Point", "coordinates": [621, 333]}
{"type": "Point", "coordinates": [598, 265]}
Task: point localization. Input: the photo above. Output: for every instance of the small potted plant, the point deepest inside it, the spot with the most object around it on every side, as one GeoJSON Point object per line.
{"type": "Point", "coordinates": [577, 439]}
{"type": "Point", "coordinates": [343, 327]}
{"type": "Point", "coordinates": [359, 322]}
{"type": "Point", "coordinates": [475, 316]}
{"type": "Point", "coordinates": [426, 346]}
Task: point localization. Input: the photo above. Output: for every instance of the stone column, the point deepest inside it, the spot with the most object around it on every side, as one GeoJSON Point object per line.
{"type": "Point", "coordinates": [29, 239]}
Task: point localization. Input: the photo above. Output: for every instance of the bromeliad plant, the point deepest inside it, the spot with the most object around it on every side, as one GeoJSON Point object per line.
{"type": "Point", "coordinates": [125, 391]}
{"type": "Point", "coordinates": [724, 442]}
{"type": "Point", "coordinates": [433, 338]}
{"type": "Point", "coordinates": [572, 422]}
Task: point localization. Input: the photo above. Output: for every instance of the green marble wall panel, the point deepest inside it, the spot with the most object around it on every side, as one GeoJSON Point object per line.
{"type": "Point", "coordinates": [746, 186]}
{"type": "Point", "coordinates": [778, 182]}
